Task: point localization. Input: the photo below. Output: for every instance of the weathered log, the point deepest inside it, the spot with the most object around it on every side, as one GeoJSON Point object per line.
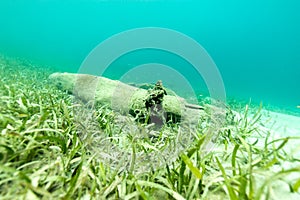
{"type": "Point", "coordinates": [116, 95]}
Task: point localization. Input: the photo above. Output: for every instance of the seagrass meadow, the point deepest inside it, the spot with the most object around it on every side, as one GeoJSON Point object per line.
{"type": "Point", "coordinates": [43, 157]}
{"type": "Point", "coordinates": [149, 100]}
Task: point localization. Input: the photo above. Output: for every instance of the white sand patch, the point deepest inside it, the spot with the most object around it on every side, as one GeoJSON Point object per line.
{"type": "Point", "coordinates": [282, 126]}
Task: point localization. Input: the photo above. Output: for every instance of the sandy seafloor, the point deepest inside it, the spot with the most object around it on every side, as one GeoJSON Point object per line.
{"type": "Point", "coordinates": [283, 125]}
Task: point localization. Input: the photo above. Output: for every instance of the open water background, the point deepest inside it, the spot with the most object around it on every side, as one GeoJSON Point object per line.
{"type": "Point", "coordinates": [255, 44]}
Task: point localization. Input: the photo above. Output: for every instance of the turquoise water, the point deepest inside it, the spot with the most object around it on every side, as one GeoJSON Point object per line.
{"type": "Point", "coordinates": [255, 44]}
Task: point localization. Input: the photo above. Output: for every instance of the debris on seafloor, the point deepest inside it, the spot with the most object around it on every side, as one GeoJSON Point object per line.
{"type": "Point", "coordinates": [124, 98]}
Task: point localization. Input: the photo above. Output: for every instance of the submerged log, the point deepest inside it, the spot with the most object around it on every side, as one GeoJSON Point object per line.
{"type": "Point", "coordinates": [118, 96]}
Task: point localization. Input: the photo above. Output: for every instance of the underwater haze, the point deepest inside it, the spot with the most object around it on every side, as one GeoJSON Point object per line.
{"type": "Point", "coordinates": [255, 44]}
